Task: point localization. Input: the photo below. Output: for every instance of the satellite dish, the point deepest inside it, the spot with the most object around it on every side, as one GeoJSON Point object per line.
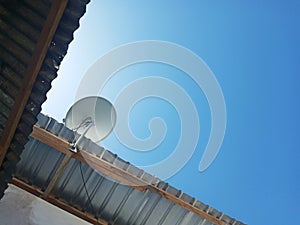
{"type": "Point", "coordinates": [93, 117]}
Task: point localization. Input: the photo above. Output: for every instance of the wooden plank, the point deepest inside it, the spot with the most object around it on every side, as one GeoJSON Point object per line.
{"type": "Point", "coordinates": [186, 205]}
{"type": "Point", "coordinates": [57, 202]}
{"type": "Point", "coordinates": [50, 139]}
{"type": "Point", "coordinates": [58, 174]}
{"type": "Point", "coordinates": [43, 43]}
{"type": "Point", "coordinates": [116, 173]}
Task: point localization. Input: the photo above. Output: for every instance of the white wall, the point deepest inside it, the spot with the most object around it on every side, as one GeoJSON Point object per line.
{"type": "Point", "coordinates": [19, 207]}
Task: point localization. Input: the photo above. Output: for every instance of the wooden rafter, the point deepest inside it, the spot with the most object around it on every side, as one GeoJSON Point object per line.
{"type": "Point", "coordinates": [58, 173]}
{"type": "Point", "coordinates": [115, 172]}
{"type": "Point", "coordinates": [33, 68]}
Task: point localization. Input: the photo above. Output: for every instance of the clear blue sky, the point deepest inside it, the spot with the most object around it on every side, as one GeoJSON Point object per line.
{"type": "Point", "coordinates": [253, 48]}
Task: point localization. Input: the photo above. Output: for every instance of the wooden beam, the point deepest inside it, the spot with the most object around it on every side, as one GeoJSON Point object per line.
{"type": "Point", "coordinates": [186, 205]}
{"type": "Point", "coordinates": [116, 173]}
{"type": "Point", "coordinates": [33, 68]}
{"type": "Point", "coordinates": [58, 174]}
{"type": "Point", "coordinates": [59, 203]}
{"type": "Point", "coordinates": [50, 139]}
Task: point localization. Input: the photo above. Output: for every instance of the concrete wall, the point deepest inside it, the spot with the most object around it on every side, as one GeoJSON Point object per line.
{"type": "Point", "coordinates": [18, 207]}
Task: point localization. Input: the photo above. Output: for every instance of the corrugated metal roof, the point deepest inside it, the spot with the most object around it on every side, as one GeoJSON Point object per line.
{"type": "Point", "coordinates": [109, 200]}
{"type": "Point", "coordinates": [21, 23]}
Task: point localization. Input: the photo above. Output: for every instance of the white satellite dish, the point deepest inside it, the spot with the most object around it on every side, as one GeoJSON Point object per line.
{"type": "Point", "coordinates": [93, 117]}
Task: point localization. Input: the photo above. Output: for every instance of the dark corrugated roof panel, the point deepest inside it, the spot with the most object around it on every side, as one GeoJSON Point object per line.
{"type": "Point", "coordinates": [109, 200]}
{"type": "Point", "coordinates": [20, 25]}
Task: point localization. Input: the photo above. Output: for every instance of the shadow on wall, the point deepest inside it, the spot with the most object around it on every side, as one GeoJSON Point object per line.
{"type": "Point", "coordinates": [18, 207]}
